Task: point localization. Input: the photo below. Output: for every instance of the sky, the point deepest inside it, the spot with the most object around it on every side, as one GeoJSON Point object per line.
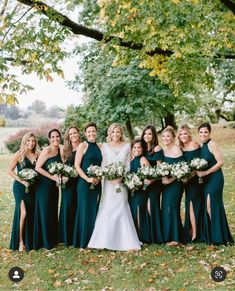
{"type": "Point", "coordinates": [51, 93]}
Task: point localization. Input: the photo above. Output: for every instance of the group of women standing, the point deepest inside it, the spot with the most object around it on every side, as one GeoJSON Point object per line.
{"type": "Point", "coordinates": [122, 221]}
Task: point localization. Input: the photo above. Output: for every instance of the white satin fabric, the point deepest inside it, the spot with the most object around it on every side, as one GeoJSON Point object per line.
{"type": "Point", "coordinates": [114, 226]}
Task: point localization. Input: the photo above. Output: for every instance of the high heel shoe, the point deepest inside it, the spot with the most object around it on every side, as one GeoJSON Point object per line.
{"type": "Point", "coordinates": [21, 247]}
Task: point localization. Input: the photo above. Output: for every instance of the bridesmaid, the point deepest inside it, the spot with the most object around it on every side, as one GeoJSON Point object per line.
{"type": "Point", "coordinates": [88, 153]}
{"type": "Point", "coordinates": [69, 194]}
{"type": "Point", "coordinates": [154, 154]}
{"type": "Point", "coordinates": [215, 221]}
{"type": "Point", "coordinates": [46, 207]}
{"type": "Point", "coordinates": [193, 190]}
{"type": "Point", "coordinates": [173, 231]}
{"type": "Point", "coordinates": [22, 228]}
{"type": "Point", "coordinates": [138, 202]}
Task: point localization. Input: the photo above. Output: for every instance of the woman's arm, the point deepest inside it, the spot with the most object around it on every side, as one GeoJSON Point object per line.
{"type": "Point", "coordinates": [41, 161]}
{"type": "Point", "coordinates": [78, 160]}
{"type": "Point", "coordinates": [12, 167]}
{"type": "Point", "coordinates": [214, 149]}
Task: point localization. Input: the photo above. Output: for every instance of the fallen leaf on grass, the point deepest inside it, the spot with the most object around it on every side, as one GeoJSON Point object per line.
{"type": "Point", "coordinates": [158, 253]}
{"type": "Point", "coordinates": [50, 271]}
{"type": "Point", "coordinates": [68, 281]}
{"type": "Point", "coordinates": [104, 269]}
{"type": "Point", "coordinates": [58, 283]}
{"type": "Point", "coordinates": [91, 271]}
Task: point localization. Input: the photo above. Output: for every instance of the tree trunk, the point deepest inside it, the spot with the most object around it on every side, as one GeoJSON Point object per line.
{"type": "Point", "coordinates": [169, 119]}
{"type": "Point", "coordinates": [129, 129]}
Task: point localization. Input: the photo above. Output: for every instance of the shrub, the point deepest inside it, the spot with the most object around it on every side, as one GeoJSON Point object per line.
{"type": "Point", "coordinates": [13, 141]}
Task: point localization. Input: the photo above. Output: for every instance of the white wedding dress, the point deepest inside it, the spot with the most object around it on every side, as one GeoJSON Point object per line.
{"type": "Point", "coordinates": [114, 226]}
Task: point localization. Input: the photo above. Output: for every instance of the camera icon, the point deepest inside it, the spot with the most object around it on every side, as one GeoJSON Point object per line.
{"type": "Point", "coordinates": [218, 274]}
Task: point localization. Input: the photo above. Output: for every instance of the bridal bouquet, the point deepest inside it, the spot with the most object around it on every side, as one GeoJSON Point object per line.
{"type": "Point", "coordinates": [180, 170]}
{"type": "Point", "coordinates": [147, 172]}
{"type": "Point", "coordinates": [94, 172]}
{"type": "Point", "coordinates": [114, 171]}
{"type": "Point", "coordinates": [198, 164]}
{"type": "Point", "coordinates": [56, 168]}
{"type": "Point", "coordinates": [68, 172]}
{"type": "Point", "coordinates": [133, 182]}
{"type": "Point", "coordinates": [27, 175]}
{"type": "Point", "coordinates": [164, 170]}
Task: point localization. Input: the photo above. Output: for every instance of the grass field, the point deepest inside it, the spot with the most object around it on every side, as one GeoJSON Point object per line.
{"type": "Point", "coordinates": [153, 268]}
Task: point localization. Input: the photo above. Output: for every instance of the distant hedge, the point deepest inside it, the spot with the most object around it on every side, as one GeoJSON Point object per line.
{"type": "Point", "coordinates": [13, 141]}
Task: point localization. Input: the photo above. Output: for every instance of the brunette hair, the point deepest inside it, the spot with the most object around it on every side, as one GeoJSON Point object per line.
{"type": "Point", "coordinates": [52, 130]}
{"type": "Point", "coordinates": [154, 141]}
{"type": "Point", "coordinates": [89, 124]}
{"type": "Point", "coordinates": [205, 124]}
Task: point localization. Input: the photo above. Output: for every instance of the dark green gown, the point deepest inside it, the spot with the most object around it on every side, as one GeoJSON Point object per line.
{"type": "Point", "coordinates": [138, 205]}
{"type": "Point", "coordinates": [194, 194]}
{"type": "Point", "coordinates": [217, 230]}
{"type": "Point", "coordinates": [153, 194]}
{"type": "Point", "coordinates": [29, 202]}
{"type": "Point", "coordinates": [46, 210]}
{"type": "Point", "coordinates": [68, 207]}
{"type": "Point", "coordinates": [171, 199]}
{"type": "Point", "coordinates": [88, 199]}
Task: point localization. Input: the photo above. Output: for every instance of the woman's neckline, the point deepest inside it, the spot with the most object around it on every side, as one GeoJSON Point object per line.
{"type": "Point", "coordinates": [121, 145]}
{"type": "Point", "coordinates": [205, 142]}
{"type": "Point", "coordinates": [185, 151]}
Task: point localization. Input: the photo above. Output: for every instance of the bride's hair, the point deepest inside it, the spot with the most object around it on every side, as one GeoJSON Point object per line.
{"type": "Point", "coordinates": [110, 130]}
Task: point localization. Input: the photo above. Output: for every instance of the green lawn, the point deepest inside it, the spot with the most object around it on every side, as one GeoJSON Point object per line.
{"type": "Point", "coordinates": [155, 267]}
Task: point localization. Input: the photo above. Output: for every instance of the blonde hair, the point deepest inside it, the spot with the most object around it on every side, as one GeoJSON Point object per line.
{"type": "Point", "coordinates": [171, 130]}
{"type": "Point", "coordinates": [67, 142]}
{"type": "Point", "coordinates": [23, 146]}
{"type": "Point", "coordinates": [110, 130]}
{"type": "Point", "coordinates": [188, 130]}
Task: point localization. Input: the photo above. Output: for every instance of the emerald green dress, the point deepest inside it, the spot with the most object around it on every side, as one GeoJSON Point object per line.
{"type": "Point", "coordinates": [46, 210]}
{"type": "Point", "coordinates": [68, 207]}
{"type": "Point", "coordinates": [216, 230]}
{"type": "Point", "coordinates": [29, 202]}
{"type": "Point", "coordinates": [138, 205]}
{"type": "Point", "coordinates": [88, 199]}
{"type": "Point", "coordinates": [171, 200]}
{"type": "Point", "coordinates": [153, 194]}
{"type": "Point", "coordinates": [194, 195]}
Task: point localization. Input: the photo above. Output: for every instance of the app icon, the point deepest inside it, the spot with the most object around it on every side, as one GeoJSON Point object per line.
{"type": "Point", "coordinates": [16, 274]}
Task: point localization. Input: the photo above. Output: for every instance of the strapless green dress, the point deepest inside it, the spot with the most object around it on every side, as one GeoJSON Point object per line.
{"type": "Point", "coordinates": [138, 206]}
{"type": "Point", "coordinates": [171, 200]}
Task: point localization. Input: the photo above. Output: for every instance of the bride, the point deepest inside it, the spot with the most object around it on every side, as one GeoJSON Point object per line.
{"type": "Point", "coordinates": [114, 226]}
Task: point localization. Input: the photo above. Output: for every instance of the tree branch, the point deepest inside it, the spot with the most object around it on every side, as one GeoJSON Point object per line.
{"type": "Point", "coordinates": [229, 4]}
{"type": "Point", "coordinates": [95, 34]}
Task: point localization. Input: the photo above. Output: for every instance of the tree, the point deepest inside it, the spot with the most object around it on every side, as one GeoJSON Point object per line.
{"type": "Point", "coordinates": [38, 107]}
{"type": "Point", "coordinates": [125, 94]}
{"type": "Point", "coordinates": [176, 40]}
